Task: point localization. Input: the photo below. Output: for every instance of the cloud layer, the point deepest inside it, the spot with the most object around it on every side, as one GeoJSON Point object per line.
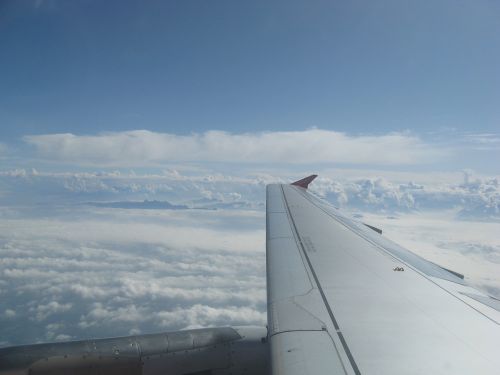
{"type": "Point", "coordinates": [473, 199]}
{"type": "Point", "coordinates": [82, 273]}
{"type": "Point", "coordinates": [82, 255]}
{"type": "Point", "coordinates": [142, 147]}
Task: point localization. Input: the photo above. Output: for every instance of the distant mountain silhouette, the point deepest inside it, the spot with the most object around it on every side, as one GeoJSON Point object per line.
{"type": "Point", "coordinates": [149, 205]}
{"type": "Point", "coordinates": [216, 204]}
{"type": "Point", "coordinates": [197, 204]}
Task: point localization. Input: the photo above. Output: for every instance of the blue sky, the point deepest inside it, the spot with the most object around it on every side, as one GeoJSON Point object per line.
{"type": "Point", "coordinates": [191, 66]}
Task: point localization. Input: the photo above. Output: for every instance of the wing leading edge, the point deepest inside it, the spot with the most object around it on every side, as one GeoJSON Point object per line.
{"type": "Point", "coordinates": [344, 299]}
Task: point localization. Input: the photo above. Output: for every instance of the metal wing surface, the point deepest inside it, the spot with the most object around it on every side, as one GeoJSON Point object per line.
{"type": "Point", "coordinates": [342, 299]}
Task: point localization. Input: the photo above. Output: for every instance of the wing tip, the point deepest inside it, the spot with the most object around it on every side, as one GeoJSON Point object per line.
{"type": "Point", "coordinates": [304, 183]}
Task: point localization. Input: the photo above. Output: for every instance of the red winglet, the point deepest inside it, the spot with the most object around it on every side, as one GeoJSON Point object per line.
{"type": "Point", "coordinates": [304, 183]}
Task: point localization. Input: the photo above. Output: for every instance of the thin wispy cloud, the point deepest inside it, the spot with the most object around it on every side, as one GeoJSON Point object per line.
{"type": "Point", "coordinates": [483, 141]}
{"type": "Point", "coordinates": [3, 149]}
{"type": "Point", "coordinates": [142, 148]}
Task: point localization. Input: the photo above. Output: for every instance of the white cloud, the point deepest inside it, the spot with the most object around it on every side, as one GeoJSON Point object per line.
{"type": "Point", "coordinates": [483, 141]}
{"type": "Point", "coordinates": [89, 273]}
{"type": "Point", "coordinates": [199, 315]}
{"type": "Point", "coordinates": [69, 269]}
{"type": "Point", "coordinates": [44, 311]}
{"type": "Point", "coordinates": [474, 199]}
{"type": "Point", "coordinates": [142, 147]}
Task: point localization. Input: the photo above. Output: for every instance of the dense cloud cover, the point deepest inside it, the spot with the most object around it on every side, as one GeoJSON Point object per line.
{"type": "Point", "coordinates": [100, 254]}
{"type": "Point", "coordinates": [474, 198]}
{"type": "Point", "coordinates": [83, 272]}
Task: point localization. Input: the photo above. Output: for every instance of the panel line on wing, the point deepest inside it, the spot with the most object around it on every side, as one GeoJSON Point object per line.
{"type": "Point", "coordinates": [285, 207]}
{"type": "Point", "coordinates": [388, 252]}
{"type": "Point", "coordinates": [325, 301]}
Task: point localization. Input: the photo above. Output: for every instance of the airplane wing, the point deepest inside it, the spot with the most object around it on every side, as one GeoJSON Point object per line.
{"type": "Point", "coordinates": [342, 299]}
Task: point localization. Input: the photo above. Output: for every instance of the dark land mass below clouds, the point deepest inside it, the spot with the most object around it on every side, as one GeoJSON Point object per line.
{"type": "Point", "coordinates": [146, 204]}
{"type": "Point", "coordinates": [214, 204]}
{"type": "Point", "coordinates": [165, 205]}
{"type": "Point", "coordinates": [197, 204]}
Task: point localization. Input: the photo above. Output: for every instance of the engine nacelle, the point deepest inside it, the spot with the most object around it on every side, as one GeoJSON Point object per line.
{"type": "Point", "coordinates": [217, 351]}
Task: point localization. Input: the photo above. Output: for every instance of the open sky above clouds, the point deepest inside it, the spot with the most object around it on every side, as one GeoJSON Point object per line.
{"type": "Point", "coordinates": [136, 140]}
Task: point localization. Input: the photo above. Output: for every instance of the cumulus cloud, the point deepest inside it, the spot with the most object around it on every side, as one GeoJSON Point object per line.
{"type": "Point", "coordinates": [142, 147]}
{"type": "Point", "coordinates": [72, 269]}
{"type": "Point", "coordinates": [474, 199]}
{"type": "Point", "coordinates": [204, 190]}
{"type": "Point", "coordinates": [202, 316]}
{"type": "Point", "coordinates": [91, 273]}
{"type": "Point", "coordinates": [42, 312]}
{"type": "Point", "coordinates": [9, 313]}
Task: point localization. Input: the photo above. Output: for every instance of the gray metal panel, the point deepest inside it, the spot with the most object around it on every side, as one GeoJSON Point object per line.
{"type": "Point", "coordinates": [488, 301]}
{"type": "Point", "coordinates": [289, 315]}
{"type": "Point", "coordinates": [188, 361]}
{"type": "Point", "coordinates": [288, 276]}
{"type": "Point", "coordinates": [416, 261]}
{"type": "Point", "coordinates": [250, 355]}
{"type": "Point", "coordinates": [300, 353]}
{"type": "Point", "coordinates": [277, 225]}
{"type": "Point", "coordinates": [389, 322]}
{"type": "Point", "coordinates": [274, 199]}
{"type": "Point", "coordinates": [152, 344]}
{"type": "Point", "coordinates": [296, 312]}
{"type": "Point", "coordinates": [123, 355]}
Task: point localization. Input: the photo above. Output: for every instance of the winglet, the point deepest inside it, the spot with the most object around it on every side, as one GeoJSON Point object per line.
{"type": "Point", "coordinates": [304, 183]}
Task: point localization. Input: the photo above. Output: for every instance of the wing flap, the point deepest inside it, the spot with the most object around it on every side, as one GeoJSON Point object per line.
{"type": "Point", "coordinates": [299, 353]}
{"type": "Point", "coordinates": [297, 315]}
{"type": "Point", "coordinates": [287, 277]}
